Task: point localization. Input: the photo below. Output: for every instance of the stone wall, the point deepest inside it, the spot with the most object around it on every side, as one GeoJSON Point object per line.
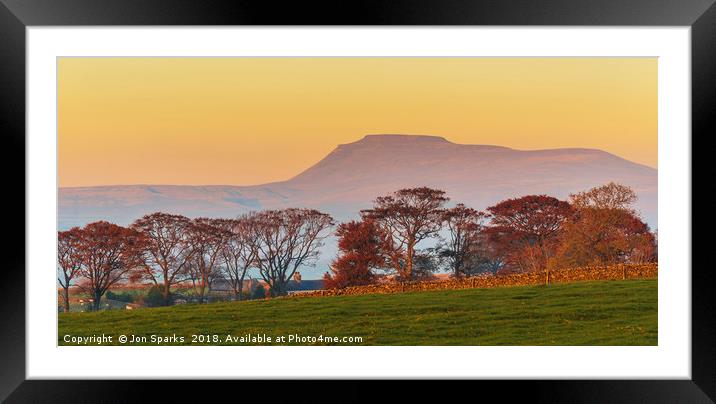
{"type": "Point", "coordinates": [613, 272]}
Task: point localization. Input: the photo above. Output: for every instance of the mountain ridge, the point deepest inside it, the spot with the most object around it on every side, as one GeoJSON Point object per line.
{"type": "Point", "coordinates": [352, 175]}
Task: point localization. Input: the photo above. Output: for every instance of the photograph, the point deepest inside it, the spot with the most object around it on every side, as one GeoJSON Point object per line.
{"type": "Point", "coordinates": [253, 196]}
{"type": "Point", "coordinates": [413, 201]}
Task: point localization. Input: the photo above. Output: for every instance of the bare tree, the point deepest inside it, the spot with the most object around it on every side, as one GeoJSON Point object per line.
{"type": "Point", "coordinates": [238, 253]}
{"type": "Point", "coordinates": [408, 216]}
{"type": "Point", "coordinates": [464, 226]}
{"type": "Point", "coordinates": [109, 253]}
{"type": "Point", "coordinates": [284, 240]}
{"type": "Point", "coordinates": [167, 250]}
{"type": "Point", "coordinates": [207, 238]}
{"type": "Point", "coordinates": [69, 259]}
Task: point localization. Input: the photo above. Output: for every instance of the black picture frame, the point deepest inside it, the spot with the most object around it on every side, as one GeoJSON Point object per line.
{"type": "Point", "coordinates": [16, 15]}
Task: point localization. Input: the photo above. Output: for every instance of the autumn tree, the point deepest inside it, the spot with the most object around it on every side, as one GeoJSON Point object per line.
{"type": "Point", "coordinates": [108, 253]}
{"type": "Point", "coordinates": [166, 251]}
{"type": "Point", "coordinates": [407, 216]}
{"type": "Point", "coordinates": [525, 230]}
{"type": "Point", "coordinates": [461, 247]}
{"type": "Point", "coordinates": [361, 250]}
{"type": "Point", "coordinates": [238, 254]}
{"type": "Point", "coordinates": [605, 229]}
{"type": "Point", "coordinates": [609, 197]}
{"type": "Point", "coordinates": [285, 240]}
{"type": "Point", "coordinates": [207, 238]}
{"type": "Point", "coordinates": [69, 259]}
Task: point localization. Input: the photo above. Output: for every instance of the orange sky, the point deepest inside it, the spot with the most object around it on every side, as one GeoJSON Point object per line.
{"type": "Point", "coordinates": [248, 121]}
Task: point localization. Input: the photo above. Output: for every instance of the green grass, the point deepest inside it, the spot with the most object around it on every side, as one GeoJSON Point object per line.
{"type": "Point", "coordinates": [583, 313]}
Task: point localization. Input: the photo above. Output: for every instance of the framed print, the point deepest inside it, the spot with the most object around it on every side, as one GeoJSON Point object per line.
{"type": "Point", "coordinates": [407, 191]}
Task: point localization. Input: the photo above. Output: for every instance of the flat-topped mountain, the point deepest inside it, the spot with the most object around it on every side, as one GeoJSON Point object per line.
{"type": "Point", "coordinates": [353, 174]}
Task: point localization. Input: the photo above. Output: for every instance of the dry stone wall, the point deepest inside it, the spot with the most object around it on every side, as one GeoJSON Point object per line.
{"type": "Point", "coordinates": [613, 272]}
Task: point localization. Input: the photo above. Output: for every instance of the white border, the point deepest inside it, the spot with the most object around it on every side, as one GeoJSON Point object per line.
{"type": "Point", "coordinates": [671, 358]}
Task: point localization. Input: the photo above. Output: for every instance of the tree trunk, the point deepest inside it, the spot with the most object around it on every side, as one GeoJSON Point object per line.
{"type": "Point", "coordinates": [202, 290]}
{"type": "Point", "coordinates": [241, 288]}
{"type": "Point", "coordinates": [278, 288]}
{"type": "Point", "coordinates": [165, 293]}
{"type": "Point", "coordinates": [204, 283]}
{"type": "Point", "coordinates": [458, 272]}
{"type": "Point", "coordinates": [66, 297]}
{"type": "Point", "coordinates": [97, 298]}
{"type": "Point", "coordinates": [409, 260]}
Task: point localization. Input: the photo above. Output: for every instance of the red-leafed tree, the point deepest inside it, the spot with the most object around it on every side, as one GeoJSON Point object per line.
{"type": "Point", "coordinates": [286, 240]}
{"type": "Point", "coordinates": [69, 260]}
{"type": "Point", "coordinates": [207, 238]}
{"type": "Point", "coordinates": [108, 253]}
{"type": "Point", "coordinates": [525, 230]}
{"type": "Point", "coordinates": [407, 216]}
{"type": "Point", "coordinates": [361, 249]}
{"type": "Point", "coordinates": [166, 250]}
{"type": "Point", "coordinates": [605, 230]}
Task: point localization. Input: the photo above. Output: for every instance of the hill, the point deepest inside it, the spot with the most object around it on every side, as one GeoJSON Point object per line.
{"type": "Point", "coordinates": [354, 174]}
{"type": "Point", "coordinates": [581, 313]}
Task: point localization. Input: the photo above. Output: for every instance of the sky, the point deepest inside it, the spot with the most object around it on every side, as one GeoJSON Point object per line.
{"type": "Point", "coordinates": [246, 121]}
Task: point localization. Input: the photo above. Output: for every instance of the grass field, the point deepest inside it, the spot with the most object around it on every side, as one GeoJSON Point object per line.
{"type": "Point", "coordinates": [583, 313]}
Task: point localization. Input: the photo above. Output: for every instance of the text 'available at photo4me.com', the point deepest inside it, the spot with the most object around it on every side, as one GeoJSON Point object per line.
{"type": "Point", "coordinates": [210, 339]}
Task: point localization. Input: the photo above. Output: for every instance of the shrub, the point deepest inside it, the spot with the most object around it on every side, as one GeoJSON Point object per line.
{"type": "Point", "coordinates": [154, 297]}
{"type": "Point", "coordinates": [259, 292]}
{"type": "Point", "coordinates": [121, 297]}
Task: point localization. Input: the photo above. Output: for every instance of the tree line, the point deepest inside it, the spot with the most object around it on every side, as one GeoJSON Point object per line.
{"type": "Point", "coordinates": [167, 249]}
{"type": "Point", "coordinates": [531, 233]}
